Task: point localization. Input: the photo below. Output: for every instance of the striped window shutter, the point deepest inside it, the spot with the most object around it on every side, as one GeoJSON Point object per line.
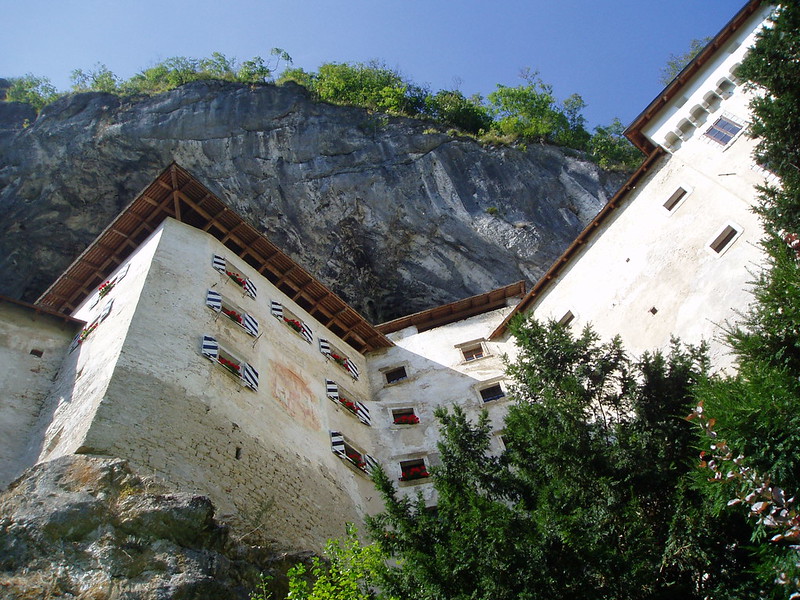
{"type": "Point", "coordinates": [277, 309]}
{"type": "Point", "coordinates": [362, 412]}
{"type": "Point", "coordinates": [214, 300]}
{"type": "Point", "coordinates": [250, 324]}
{"type": "Point", "coordinates": [370, 464]}
{"type": "Point", "coordinates": [352, 368]}
{"type": "Point", "coordinates": [106, 310]}
{"type": "Point", "coordinates": [249, 376]}
{"type": "Point", "coordinates": [250, 288]}
{"type": "Point", "coordinates": [95, 301]}
{"type": "Point", "coordinates": [210, 347]}
{"type": "Point", "coordinates": [305, 331]}
{"type": "Point", "coordinates": [324, 347]}
{"type": "Point", "coordinates": [123, 272]}
{"type": "Point", "coordinates": [337, 444]}
{"type": "Point", "coordinates": [332, 390]}
{"type": "Point", "coordinates": [218, 262]}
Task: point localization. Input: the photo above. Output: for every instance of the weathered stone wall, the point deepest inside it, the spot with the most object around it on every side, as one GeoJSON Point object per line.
{"type": "Point", "coordinates": [264, 457]}
{"type": "Point", "coordinates": [32, 347]}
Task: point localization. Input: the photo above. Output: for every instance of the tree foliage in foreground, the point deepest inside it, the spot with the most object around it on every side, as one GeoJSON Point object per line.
{"type": "Point", "coordinates": [593, 496]}
{"type": "Point", "coordinates": [677, 62]}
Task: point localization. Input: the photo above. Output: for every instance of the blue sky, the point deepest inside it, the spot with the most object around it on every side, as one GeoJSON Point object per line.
{"type": "Point", "coordinates": [609, 51]}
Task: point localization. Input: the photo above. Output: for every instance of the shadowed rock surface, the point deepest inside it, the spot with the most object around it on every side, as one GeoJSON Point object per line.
{"type": "Point", "coordinates": [90, 528]}
{"type": "Point", "coordinates": [385, 210]}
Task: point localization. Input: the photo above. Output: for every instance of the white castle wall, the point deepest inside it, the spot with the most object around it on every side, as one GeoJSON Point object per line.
{"type": "Point", "coordinates": [32, 346]}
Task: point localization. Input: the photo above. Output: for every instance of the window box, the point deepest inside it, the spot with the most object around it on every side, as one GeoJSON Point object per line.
{"type": "Point", "coordinates": [349, 453]}
{"type": "Point", "coordinates": [232, 364]}
{"type": "Point", "coordinates": [216, 302]}
{"type": "Point", "coordinates": [404, 416]}
{"type": "Point", "coordinates": [234, 274]}
{"type": "Point", "coordinates": [291, 321]}
{"type": "Point", "coordinates": [89, 329]}
{"type": "Point", "coordinates": [356, 408]}
{"type": "Point", "coordinates": [106, 287]}
{"type": "Point", "coordinates": [337, 356]}
{"type": "Point", "coordinates": [413, 469]}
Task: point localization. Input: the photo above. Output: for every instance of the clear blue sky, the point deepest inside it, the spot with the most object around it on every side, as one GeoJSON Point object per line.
{"type": "Point", "coordinates": [609, 51]}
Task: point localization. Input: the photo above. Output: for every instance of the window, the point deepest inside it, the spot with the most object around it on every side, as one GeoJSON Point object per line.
{"type": "Point", "coordinates": [347, 401]}
{"type": "Point", "coordinates": [724, 239]}
{"type": "Point", "coordinates": [567, 318]}
{"type": "Point", "coordinates": [222, 306]}
{"type": "Point", "coordinates": [404, 416]}
{"type": "Point", "coordinates": [291, 321]}
{"type": "Point", "coordinates": [234, 274]}
{"type": "Point", "coordinates": [106, 287]}
{"type": "Point", "coordinates": [473, 352]}
{"type": "Point", "coordinates": [234, 365]}
{"type": "Point", "coordinates": [413, 469]}
{"type": "Point", "coordinates": [89, 329]}
{"type": "Point", "coordinates": [395, 375]}
{"type": "Point", "coordinates": [494, 392]}
{"type": "Point", "coordinates": [332, 353]}
{"type": "Point", "coordinates": [673, 201]}
{"type": "Point", "coordinates": [723, 130]}
{"type": "Point", "coordinates": [348, 452]}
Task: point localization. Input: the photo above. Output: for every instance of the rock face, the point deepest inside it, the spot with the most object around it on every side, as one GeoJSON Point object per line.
{"type": "Point", "coordinates": [89, 528]}
{"type": "Point", "coordinates": [392, 214]}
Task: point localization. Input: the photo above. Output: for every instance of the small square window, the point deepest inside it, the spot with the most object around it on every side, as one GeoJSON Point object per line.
{"type": "Point", "coordinates": [675, 199]}
{"type": "Point", "coordinates": [723, 131]}
{"type": "Point", "coordinates": [396, 375]}
{"type": "Point", "coordinates": [472, 352]}
{"type": "Point", "coordinates": [724, 239]}
{"type": "Point", "coordinates": [413, 469]}
{"type": "Point", "coordinates": [567, 318]}
{"type": "Point", "coordinates": [404, 416]}
{"type": "Point", "coordinates": [494, 392]}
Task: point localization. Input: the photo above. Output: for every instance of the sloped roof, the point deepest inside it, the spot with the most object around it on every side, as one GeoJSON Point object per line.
{"type": "Point", "coordinates": [634, 131]}
{"type": "Point", "coordinates": [177, 194]}
{"type": "Point", "coordinates": [455, 311]}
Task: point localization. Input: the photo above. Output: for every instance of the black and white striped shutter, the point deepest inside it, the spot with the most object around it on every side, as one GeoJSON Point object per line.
{"type": "Point", "coordinates": [337, 444]}
{"type": "Point", "coordinates": [95, 301]}
{"type": "Point", "coordinates": [249, 376]}
{"type": "Point", "coordinates": [250, 324]}
{"type": "Point", "coordinates": [214, 300]}
{"type": "Point", "coordinates": [332, 390]}
{"type": "Point", "coordinates": [362, 412]}
{"type": "Point", "coordinates": [218, 263]}
{"type": "Point", "coordinates": [250, 288]}
{"type": "Point", "coordinates": [123, 272]}
{"type": "Point", "coordinates": [370, 464]}
{"type": "Point", "coordinates": [106, 310]}
{"type": "Point", "coordinates": [210, 347]}
{"type": "Point", "coordinates": [305, 331]}
{"type": "Point", "coordinates": [277, 309]}
{"type": "Point", "coordinates": [352, 368]}
{"type": "Point", "coordinates": [324, 347]}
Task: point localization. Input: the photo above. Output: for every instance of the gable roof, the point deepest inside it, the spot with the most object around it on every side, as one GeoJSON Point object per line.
{"type": "Point", "coordinates": [634, 130]}
{"type": "Point", "coordinates": [176, 193]}
{"type": "Point", "coordinates": [455, 311]}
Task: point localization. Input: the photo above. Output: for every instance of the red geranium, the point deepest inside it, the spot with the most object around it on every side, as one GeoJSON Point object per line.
{"type": "Point", "coordinates": [406, 420]}
{"type": "Point", "coordinates": [233, 315]}
{"type": "Point", "coordinates": [414, 473]}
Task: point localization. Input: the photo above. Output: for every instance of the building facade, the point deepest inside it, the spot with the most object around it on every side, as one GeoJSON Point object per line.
{"type": "Point", "coordinates": [185, 342]}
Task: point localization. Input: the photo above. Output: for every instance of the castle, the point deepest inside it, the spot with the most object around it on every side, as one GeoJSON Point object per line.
{"type": "Point", "coordinates": [183, 340]}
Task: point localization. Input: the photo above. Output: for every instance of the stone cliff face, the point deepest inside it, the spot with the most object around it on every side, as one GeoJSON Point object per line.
{"type": "Point", "coordinates": [387, 211]}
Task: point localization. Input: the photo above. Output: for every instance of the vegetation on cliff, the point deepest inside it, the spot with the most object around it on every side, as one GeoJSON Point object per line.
{"type": "Point", "coordinates": [529, 112]}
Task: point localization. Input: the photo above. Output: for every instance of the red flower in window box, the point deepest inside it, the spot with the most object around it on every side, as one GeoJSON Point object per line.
{"type": "Point", "coordinates": [348, 404]}
{"type": "Point", "coordinates": [406, 420]}
{"type": "Point", "coordinates": [356, 460]}
{"type": "Point", "coordinates": [233, 315]}
{"type": "Point", "coordinates": [340, 360]}
{"type": "Point", "coordinates": [230, 365]}
{"type": "Point", "coordinates": [105, 288]}
{"type": "Point", "coordinates": [87, 332]}
{"type": "Point", "coordinates": [294, 324]}
{"type": "Point", "coordinates": [412, 473]}
{"type": "Point", "coordinates": [236, 277]}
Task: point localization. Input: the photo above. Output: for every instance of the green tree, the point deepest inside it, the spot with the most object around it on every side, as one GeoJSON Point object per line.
{"type": "Point", "coordinates": [593, 496]}
{"type": "Point", "coordinates": [451, 107]}
{"type": "Point", "coordinates": [610, 149]}
{"type": "Point", "coordinates": [677, 62]}
{"type": "Point", "coordinates": [98, 79]}
{"type": "Point", "coordinates": [37, 91]}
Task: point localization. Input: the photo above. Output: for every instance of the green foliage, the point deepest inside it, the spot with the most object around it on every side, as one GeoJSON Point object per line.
{"type": "Point", "coordinates": [99, 79]}
{"type": "Point", "coordinates": [677, 62]}
{"type": "Point", "coordinates": [612, 150]}
{"type": "Point", "coordinates": [33, 90]}
{"type": "Point", "coordinates": [593, 497]}
{"type": "Point", "coordinates": [452, 108]}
